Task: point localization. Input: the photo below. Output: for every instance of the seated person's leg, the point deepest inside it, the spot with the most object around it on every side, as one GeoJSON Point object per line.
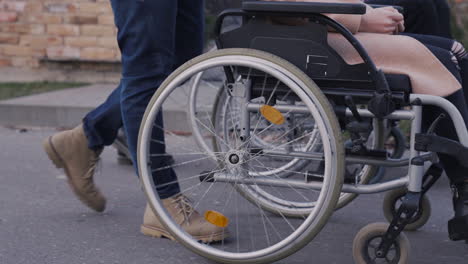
{"type": "Point", "coordinates": [453, 46]}
{"type": "Point", "coordinates": [459, 54]}
{"type": "Point", "coordinates": [456, 173]}
{"type": "Point", "coordinates": [462, 56]}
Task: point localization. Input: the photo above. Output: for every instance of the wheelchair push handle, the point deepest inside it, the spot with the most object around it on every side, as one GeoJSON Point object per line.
{"type": "Point", "coordinates": [303, 7]}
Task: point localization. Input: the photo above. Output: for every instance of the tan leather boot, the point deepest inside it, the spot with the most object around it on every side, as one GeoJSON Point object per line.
{"type": "Point", "coordinates": [69, 150]}
{"type": "Point", "coordinates": [182, 212]}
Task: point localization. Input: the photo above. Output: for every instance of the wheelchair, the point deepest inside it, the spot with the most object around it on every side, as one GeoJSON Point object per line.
{"type": "Point", "coordinates": [274, 131]}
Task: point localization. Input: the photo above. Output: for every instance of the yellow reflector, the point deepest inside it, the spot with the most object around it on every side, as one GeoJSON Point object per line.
{"type": "Point", "coordinates": [216, 218]}
{"type": "Point", "coordinates": [271, 114]}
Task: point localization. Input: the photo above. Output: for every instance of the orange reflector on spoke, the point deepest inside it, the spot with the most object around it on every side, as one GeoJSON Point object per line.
{"type": "Point", "coordinates": [272, 114]}
{"type": "Point", "coordinates": [216, 218]}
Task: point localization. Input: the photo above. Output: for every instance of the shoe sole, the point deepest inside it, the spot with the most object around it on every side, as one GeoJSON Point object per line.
{"type": "Point", "coordinates": [159, 233]}
{"type": "Point", "coordinates": [60, 164]}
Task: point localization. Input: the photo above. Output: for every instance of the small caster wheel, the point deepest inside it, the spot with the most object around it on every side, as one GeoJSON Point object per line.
{"type": "Point", "coordinates": [393, 200]}
{"type": "Point", "coordinates": [367, 240]}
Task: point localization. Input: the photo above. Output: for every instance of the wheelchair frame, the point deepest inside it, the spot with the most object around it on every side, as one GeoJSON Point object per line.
{"type": "Point", "coordinates": [382, 105]}
{"type": "Point", "coordinates": [413, 181]}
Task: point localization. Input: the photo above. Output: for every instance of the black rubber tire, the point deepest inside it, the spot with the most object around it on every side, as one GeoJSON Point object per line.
{"type": "Point", "coordinates": [371, 232]}
{"type": "Point", "coordinates": [399, 150]}
{"type": "Point", "coordinates": [421, 217]}
{"type": "Point", "coordinates": [400, 142]}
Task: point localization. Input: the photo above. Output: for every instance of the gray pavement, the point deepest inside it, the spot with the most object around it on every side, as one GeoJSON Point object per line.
{"type": "Point", "coordinates": [58, 72]}
{"type": "Point", "coordinates": [63, 108]}
{"type": "Point", "coordinates": [41, 221]}
{"type": "Point", "coordinates": [66, 108]}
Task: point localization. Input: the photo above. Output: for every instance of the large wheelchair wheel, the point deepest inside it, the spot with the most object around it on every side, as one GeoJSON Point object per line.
{"type": "Point", "coordinates": [212, 179]}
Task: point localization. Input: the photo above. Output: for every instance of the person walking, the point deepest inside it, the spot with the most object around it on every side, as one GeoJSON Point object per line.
{"type": "Point", "coordinates": [154, 37]}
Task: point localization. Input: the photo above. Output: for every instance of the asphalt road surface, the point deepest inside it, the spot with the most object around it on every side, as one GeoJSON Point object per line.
{"type": "Point", "coordinates": [42, 222]}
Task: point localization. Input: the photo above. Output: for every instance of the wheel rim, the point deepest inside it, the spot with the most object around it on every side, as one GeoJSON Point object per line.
{"type": "Point", "coordinates": [315, 216]}
{"type": "Point", "coordinates": [370, 255]}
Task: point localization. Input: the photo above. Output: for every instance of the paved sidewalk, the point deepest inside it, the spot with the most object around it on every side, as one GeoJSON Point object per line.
{"type": "Point", "coordinates": [66, 108]}
{"type": "Point", "coordinates": [63, 108]}
{"type": "Point", "coordinates": [61, 73]}
{"type": "Point", "coordinates": [41, 222]}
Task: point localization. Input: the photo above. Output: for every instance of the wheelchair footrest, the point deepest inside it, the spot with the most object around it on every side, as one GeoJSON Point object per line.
{"type": "Point", "coordinates": [433, 143]}
{"type": "Point", "coordinates": [458, 228]}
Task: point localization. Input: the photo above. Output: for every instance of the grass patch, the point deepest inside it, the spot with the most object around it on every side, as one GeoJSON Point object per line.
{"type": "Point", "coordinates": [15, 89]}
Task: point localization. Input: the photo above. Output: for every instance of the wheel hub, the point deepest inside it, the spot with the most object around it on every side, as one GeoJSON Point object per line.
{"type": "Point", "coordinates": [234, 158]}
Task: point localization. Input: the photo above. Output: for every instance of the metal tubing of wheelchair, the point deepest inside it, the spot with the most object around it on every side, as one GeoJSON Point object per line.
{"type": "Point", "coordinates": [375, 188]}
{"type": "Point", "coordinates": [255, 107]}
{"type": "Point", "coordinates": [453, 112]}
{"type": "Point", "coordinates": [245, 113]}
{"type": "Point", "coordinates": [349, 159]}
{"type": "Point", "coordinates": [377, 162]}
{"type": "Point", "coordinates": [396, 115]}
{"type": "Point", "coordinates": [416, 171]}
{"type": "Point", "coordinates": [293, 154]}
{"type": "Point", "coordinates": [288, 183]}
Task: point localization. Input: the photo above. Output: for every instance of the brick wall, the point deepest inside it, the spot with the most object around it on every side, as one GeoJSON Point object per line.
{"type": "Point", "coordinates": [34, 31]}
{"type": "Point", "coordinates": [37, 32]}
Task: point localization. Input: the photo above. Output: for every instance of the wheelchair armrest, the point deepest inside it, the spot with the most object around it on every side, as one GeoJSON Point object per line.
{"type": "Point", "coordinates": [399, 8]}
{"type": "Point", "coordinates": [303, 7]}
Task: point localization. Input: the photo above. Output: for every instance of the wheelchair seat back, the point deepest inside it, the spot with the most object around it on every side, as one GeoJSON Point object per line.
{"type": "Point", "coordinates": [306, 46]}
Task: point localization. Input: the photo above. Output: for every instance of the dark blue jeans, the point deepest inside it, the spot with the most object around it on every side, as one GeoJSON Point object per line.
{"type": "Point", "coordinates": [155, 37]}
{"type": "Point", "coordinates": [102, 124]}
